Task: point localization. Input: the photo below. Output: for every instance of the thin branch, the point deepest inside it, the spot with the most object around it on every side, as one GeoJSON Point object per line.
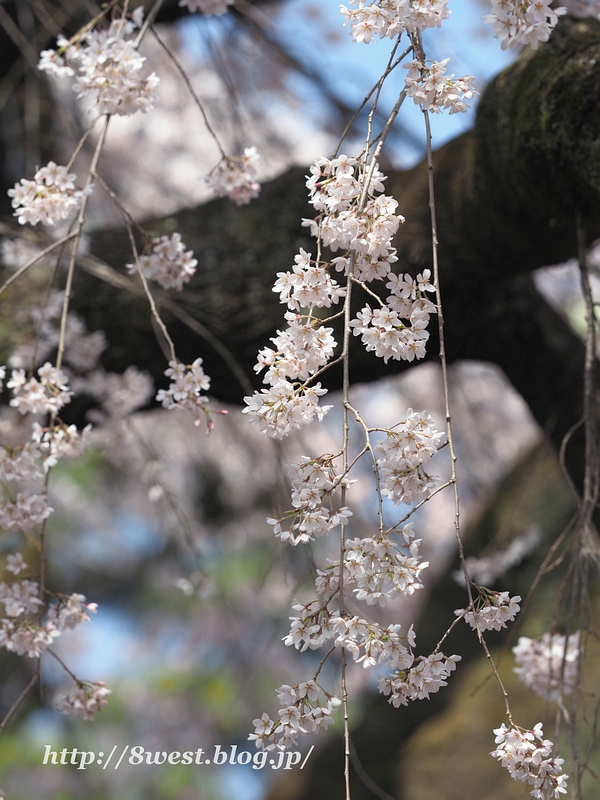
{"type": "Point", "coordinates": [36, 258]}
{"type": "Point", "coordinates": [35, 678]}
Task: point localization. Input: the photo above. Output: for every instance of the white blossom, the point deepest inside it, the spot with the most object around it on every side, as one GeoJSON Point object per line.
{"type": "Point", "coordinates": [60, 441]}
{"type": "Point", "coordinates": [26, 638]}
{"type": "Point", "coordinates": [15, 563]}
{"type": "Point", "coordinates": [306, 709]}
{"type": "Point", "coordinates": [425, 677]}
{"type": "Point", "coordinates": [169, 264]}
{"type": "Point", "coordinates": [19, 463]}
{"type": "Point", "coordinates": [523, 21]}
{"type": "Point", "coordinates": [84, 701]}
{"type": "Point", "coordinates": [435, 91]}
{"type": "Point", "coordinates": [402, 454]}
{"type": "Point", "coordinates": [528, 758]}
{"type": "Point", "coordinates": [389, 18]}
{"type": "Point", "coordinates": [20, 597]}
{"type": "Point", "coordinates": [70, 611]}
{"type": "Point", "coordinates": [235, 177]}
{"type": "Point", "coordinates": [184, 390]}
{"type": "Point", "coordinates": [492, 610]}
{"type": "Point", "coordinates": [26, 512]}
{"type": "Point", "coordinates": [107, 67]}
{"type": "Point", "coordinates": [549, 666]}
{"type": "Point", "coordinates": [46, 395]}
{"type": "Point", "coordinates": [283, 408]}
{"type": "Point", "coordinates": [50, 197]}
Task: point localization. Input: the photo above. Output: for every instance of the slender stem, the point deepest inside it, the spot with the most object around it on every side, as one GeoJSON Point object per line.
{"type": "Point", "coordinates": [148, 21]}
{"type": "Point", "coordinates": [77, 236]}
{"type": "Point", "coordinates": [148, 293]}
{"type": "Point", "coordinates": [345, 445]}
{"type": "Point", "coordinates": [35, 678]}
{"type": "Point", "coordinates": [193, 94]}
{"type": "Point", "coordinates": [368, 97]}
{"type": "Point", "coordinates": [36, 258]}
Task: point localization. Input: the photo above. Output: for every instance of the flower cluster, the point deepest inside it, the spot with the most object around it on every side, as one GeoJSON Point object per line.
{"type": "Point", "coordinates": [108, 68]}
{"type": "Point", "coordinates": [26, 638]}
{"type": "Point", "coordinates": [309, 285]}
{"type": "Point", "coordinates": [401, 455]}
{"type": "Point", "coordinates": [434, 91]}
{"type": "Point", "coordinates": [20, 597]}
{"type": "Point", "coordinates": [19, 632]}
{"type": "Point", "coordinates": [528, 758]}
{"type": "Point", "coordinates": [364, 229]}
{"type": "Point", "coordinates": [235, 177]}
{"type": "Point", "coordinates": [210, 8]}
{"type": "Point", "coordinates": [84, 701]}
{"type": "Point", "coordinates": [70, 611]}
{"type": "Point", "coordinates": [184, 390]}
{"type": "Point", "coordinates": [389, 18]}
{"type": "Point", "coordinates": [423, 677]}
{"type": "Point", "coordinates": [27, 511]}
{"type": "Point", "coordinates": [169, 264]}
{"type": "Point", "coordinates": [46, 395]}
{"type": "Point", "coordinates": [368, 642]}
{"type": "Point", "coordinates": [50, 197]}
{"type": "Point", "coordinates": [549, 666]}
{"type": "Point", "coordinates": [19, 463]}
{"type": "Point", "coordinates": [301, 349]}
{"type": "Point", "coordinates": [385, 333]}
{"type": "Point", "coordinates": [492, 610]}
{"type": "Point", "coordinates": [59, 441]}
{"type": "Point", "coordinates": [303, 712]}
{"type": "Point", "coordinates": [282, 407]}
{"type": "Point", "coordinates": [523, 21]}
{"type": "Point", "coordinates": [377, 569]}
{"type": "Point", "coordinates": [313, 482]}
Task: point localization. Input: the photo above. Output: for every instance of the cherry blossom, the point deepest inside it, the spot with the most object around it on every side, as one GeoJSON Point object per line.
{"type": "Point", "coordinates": [517, 22]}
{"type": "Point", "coordinates": [425, 677]}
{"type": "Point", "coordinates": [184, 390]}
{"type": "Point", "coordinates": [26, 638]}
{"type": "Point", "coordinates": [306, 709]}
{"type": "Point", "coordinates": [48, 394]}
{"type": "Point", "coordinates": [49, 198]}
{"type": "Point", "coordinates": [434, 91]}
{"type": "Point", "coordinates": [169, 264]}
{"type": "Point", "coordinates": [235, 177]}
{"type": "Point", "coordinates": [107, 67]}
{"type": "Point", "coordinates": [550, 665]}
{"type": "Point", "coordinates": [527, 757]}
{"type": "Point", "coordinates": [389, 18]}
{"type": "Point", "coordinates": [84, 701]}
{"type": "Point", "coordinates": [492, 610]}
{"type": "Point", "coordinates": [402, 454]}
{"type": "Point", "coordinates": [27, 511]}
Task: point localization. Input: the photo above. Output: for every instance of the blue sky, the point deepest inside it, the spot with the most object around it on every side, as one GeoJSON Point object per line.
{"type": "Point", "coordinates": [314, 33]}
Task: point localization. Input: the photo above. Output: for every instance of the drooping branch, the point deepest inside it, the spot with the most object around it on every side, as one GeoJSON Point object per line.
{"type": "Point", "coordinates": [507, 194]}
